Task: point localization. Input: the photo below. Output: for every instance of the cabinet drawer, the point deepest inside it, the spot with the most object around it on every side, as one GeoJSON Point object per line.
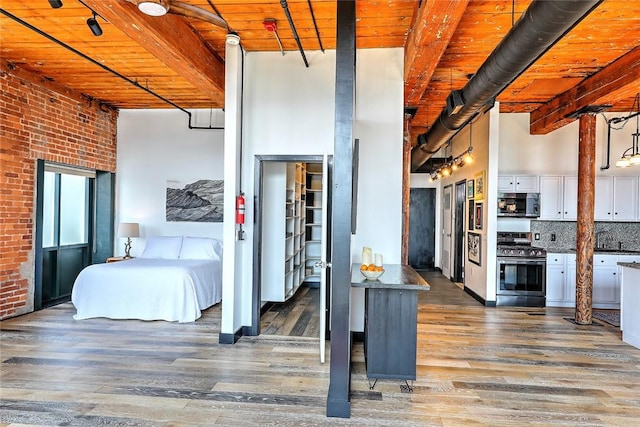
{"type": "Point", "coordinates": [555, 259]}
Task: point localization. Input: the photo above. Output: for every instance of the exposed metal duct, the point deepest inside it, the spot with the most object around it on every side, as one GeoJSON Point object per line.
{"type": "Point", "coordinates": [542, 25]}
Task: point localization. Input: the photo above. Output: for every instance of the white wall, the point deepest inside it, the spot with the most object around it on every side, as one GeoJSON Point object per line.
{"type": "Point", "coordinates": [484, 139]}
{"type": "Point", "coordinates": [289, 110]}
{"type": "Point", "coordinates": [557, 152]}
{"type": "Point", "coordinates": [155, 146]}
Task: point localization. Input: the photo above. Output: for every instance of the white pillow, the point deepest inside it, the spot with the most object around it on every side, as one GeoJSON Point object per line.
{"type": "Point", "coordinates": [166, 247]}
{"type": "Point", "coordinates": [201, 248]}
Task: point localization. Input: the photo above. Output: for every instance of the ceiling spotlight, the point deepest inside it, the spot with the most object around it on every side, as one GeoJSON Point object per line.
{"type": "Point", "coordinates": [55, 3]}
{"type": "Point", "coordinates": [94, 26]}
{"type": "Point", "coordinates": [154, 7]}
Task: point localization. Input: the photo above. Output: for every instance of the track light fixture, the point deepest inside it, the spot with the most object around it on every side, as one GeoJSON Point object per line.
{"type": "Point", "coordinates": [94, 26]}
{"type": "Point", "coordinates": [55, 3]}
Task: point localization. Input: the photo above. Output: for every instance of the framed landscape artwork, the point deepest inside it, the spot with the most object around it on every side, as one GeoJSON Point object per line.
{"type": "Point", "coordinates": [470, 187]}
{"type": "Point", "coordinates": [474, 248]}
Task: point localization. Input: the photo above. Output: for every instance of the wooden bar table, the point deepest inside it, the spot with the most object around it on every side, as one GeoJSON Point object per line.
{"type": "Point", "coordinates": [390, 322]}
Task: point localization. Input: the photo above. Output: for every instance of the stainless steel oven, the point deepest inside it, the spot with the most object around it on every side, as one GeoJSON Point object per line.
{"type": "Point", "coordinates": [521, 282]}
{"type": "Point", "coordinates": [521, 272]}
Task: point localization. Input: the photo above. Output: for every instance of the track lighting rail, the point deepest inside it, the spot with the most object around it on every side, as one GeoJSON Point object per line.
{"type": "Point", "coordinates": [104, 67]}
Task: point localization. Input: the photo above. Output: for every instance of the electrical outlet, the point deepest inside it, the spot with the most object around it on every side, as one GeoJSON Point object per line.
{"type": "Point", "coordinates": [536, 236]}
{"type": "Point", "coordinates": [553, 237]}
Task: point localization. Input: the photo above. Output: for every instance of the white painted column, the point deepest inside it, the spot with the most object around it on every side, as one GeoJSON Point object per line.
{"type": "Point", "coordinates": [231, 268]}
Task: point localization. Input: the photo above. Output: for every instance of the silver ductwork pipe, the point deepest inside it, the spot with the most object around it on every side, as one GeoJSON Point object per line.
{"type": "Point", "coordinates": [540, 27]}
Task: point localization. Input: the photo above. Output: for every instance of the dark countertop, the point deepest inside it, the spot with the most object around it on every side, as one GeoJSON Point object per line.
{"type": "Point", "coordinates": [596, 252]}
{"type": "Point", "coordinates": [634, 265]}
{"type": "Point", "coordinates": [395, 276]}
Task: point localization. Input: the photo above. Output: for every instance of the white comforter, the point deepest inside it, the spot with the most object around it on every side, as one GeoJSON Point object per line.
{"type": "Point", "coordinates": [148, 289]}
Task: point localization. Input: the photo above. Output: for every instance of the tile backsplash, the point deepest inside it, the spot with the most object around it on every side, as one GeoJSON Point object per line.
{"type": "Point", "coordinates": [610, 234]}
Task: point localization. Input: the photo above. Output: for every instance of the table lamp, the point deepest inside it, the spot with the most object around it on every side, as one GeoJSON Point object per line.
{"type": "Point", "coordinates": [128, 230]}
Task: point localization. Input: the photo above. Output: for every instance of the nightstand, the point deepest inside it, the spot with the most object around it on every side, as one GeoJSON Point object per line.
{"type": "Point", "coordinates": [117, 258]}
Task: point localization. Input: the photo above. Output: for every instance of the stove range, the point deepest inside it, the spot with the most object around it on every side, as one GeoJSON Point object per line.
{"type": "Point", "coordinates": [521, 271]}
{"type": "Point", "coordinates": [518, 245]}
{"type": "Point", "coordinates": [521, 251]}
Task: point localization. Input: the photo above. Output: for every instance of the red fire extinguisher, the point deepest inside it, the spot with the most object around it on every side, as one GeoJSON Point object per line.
{"type": "Point", "coordinates": [240, 209]}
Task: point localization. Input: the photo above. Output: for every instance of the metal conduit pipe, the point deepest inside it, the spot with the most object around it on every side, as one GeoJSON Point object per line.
{"type": "Point", "coordinates": [542, 25]}
{"type": "Point", "coordinates": [285, 7]}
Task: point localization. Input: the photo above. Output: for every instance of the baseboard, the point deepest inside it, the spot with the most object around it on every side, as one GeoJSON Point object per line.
{"type": "Point", "coordinates": [230, 338]}
{"type": "Point", "coordinates": [479, 298]}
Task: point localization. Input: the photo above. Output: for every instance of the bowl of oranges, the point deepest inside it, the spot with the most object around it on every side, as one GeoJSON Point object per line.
{"type": "Point", "coordinates": [371, 271]}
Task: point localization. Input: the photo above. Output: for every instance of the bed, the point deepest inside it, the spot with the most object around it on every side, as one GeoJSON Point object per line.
{"type": "Point", "coordinates": [174, 279]}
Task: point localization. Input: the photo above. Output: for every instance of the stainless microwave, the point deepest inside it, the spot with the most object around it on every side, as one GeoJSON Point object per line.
{"type": "Point", "coordinates": [522, 205]}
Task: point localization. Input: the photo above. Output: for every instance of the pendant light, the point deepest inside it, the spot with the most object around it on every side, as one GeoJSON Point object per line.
{"type": "Point", "coordinates": [631, 156]}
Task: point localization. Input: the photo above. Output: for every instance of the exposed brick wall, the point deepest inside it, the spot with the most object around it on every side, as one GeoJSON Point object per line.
{"type": "Point", "coordinates": [40, 120]}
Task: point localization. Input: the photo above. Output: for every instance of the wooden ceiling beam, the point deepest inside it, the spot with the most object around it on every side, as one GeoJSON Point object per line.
{"type": "Point", "coordinates": [622, 72]}
{"type": "Point", "coordinates": [172, 40]}
{"type": "Point", "coordinates": [433, 28]}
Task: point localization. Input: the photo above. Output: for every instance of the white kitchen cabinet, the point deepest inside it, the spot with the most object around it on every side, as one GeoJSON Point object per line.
{"type": "Point", "coordinates": [604, 198]}
{"type": "Point", "coordinates": [561, 280]}
{"type": "Point", "coordinates": [551, 197]}
{"type": "Point", "coordinates": [556, 266]}
{"type": "Point", "coordinates": [625, 198]}
{"type": "Point", "coordinates": [616, 198]}
{"type": "Point", "coordinates": [518, 184]}
{"type": "Point", "coordinates": [570, 198]}
{"type": "Point", "coordinates": [283, 249]}
{"type": "Point", "coordinates": [558, 197]}
{"type": "Point", "coordinates": [606, 289]}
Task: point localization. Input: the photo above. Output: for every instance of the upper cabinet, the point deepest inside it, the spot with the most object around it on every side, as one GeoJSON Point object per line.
{"type": "Point", "coordinates": [616, 198]}
{"type": "Point", "coordinates": [518, 184]}
{"type": "Point", "coordinates": [625, 198]}
{"type": "Point", "coordinates": [558, 197]}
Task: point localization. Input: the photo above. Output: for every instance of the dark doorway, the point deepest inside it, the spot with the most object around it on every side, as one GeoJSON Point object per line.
{"type": "Point", "coordinates": [74, 227]}
{"type": "Point", "coordinates": [65, 229]}
{"type": "Point", "coordinates": [458, 230]}
{"type": "Point", "coordinates": [422, 228]}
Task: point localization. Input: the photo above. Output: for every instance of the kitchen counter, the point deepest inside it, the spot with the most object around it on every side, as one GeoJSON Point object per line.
{"type": "Point", "coordinates": [633, 265]}
{"type": "Point", "coordinates": [390, 322]}
{"type": "Point", "coordinates": [395, 276]}
{"type": "Point", "coordinates": [630, 295]}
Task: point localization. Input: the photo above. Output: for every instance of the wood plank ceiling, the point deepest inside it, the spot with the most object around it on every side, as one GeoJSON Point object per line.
{"type": "Point", "coordinates": [182, 58]}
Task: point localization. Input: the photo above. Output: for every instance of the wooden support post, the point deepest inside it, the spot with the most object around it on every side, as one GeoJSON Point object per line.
{"type": "Point", "coordinates": [585, 225]}
{"type": "Point", "coordinates": [406, 189]}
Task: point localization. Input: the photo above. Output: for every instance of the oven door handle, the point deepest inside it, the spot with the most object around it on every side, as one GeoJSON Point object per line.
{"type": "Point", "coordinates": [521, 261]}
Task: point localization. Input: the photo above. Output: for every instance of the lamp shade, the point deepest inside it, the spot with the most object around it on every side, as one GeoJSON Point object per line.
{"type": "Point", "coordinates": [129, 229]}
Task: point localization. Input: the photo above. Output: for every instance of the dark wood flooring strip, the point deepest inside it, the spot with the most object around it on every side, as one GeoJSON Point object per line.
{"type": "Point", "coordinates": [56, 414]}
{"type": "Point", "coordinates": [237, 397]}
{"type": "Point", "coordinates": [529, 388]}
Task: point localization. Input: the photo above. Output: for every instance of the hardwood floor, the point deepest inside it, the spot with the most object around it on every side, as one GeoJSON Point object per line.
{"type": "Point", "coordinates": [476, 366]}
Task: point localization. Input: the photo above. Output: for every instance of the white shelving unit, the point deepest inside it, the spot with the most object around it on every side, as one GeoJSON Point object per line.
{"type": "Point", "coordinates": [313, 221]}
{"type": "Point", "coordinates": [284, 236]}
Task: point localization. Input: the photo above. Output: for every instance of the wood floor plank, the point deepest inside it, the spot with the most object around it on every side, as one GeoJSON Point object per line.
{"type": "Point", "coordinates": [476, 366]}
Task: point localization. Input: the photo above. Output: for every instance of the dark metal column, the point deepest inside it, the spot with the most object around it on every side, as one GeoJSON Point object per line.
{"type": "Point", "coordinates": [585, 225]}
{"type": "Point", "coordinates": [338, 401]}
